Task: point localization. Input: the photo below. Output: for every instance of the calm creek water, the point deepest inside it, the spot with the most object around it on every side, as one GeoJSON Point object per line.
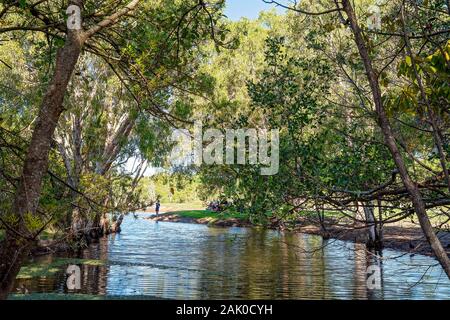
{"type": "Point", "coordinates": [189, 261]}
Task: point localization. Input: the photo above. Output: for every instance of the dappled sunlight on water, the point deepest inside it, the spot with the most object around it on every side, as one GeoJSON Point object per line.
{"type": "Point", "coordinates": [189, 261]}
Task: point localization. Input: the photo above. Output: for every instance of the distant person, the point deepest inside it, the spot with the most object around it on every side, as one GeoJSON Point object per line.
{"type": "Point", "coordinates": [157, 205]}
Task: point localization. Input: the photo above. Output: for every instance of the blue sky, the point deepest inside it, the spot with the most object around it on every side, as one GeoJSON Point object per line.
{"type": "Point", "coordinates": [236, 9]}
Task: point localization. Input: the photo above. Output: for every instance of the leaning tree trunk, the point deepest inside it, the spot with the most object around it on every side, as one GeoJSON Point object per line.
{"type": "Point", "coordinates": [15, 247]}
{"type": "Point", "coordinates": [18, 241]}
{"type": "Point", "coordinates": [411, 187]}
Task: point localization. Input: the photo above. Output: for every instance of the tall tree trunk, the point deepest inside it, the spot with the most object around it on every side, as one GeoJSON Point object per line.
{"type": "Point", "coordinates": [16, 248]}
{"type": "Point", "coordinates": [413, 190]}
{"type": "Point", "coordinates": [113, 145]}
{"type": "Point", "coordinates": [19, 240]}
{"type": "Point", "coordinates": [112, 149]}
{"type": "Point", "coordinates": [100, 224]}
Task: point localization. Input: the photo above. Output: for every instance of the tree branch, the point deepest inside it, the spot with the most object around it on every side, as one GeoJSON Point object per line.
{"type": "Point", "coordinates": [112, 19]}
{"type": "Point", "coordinates": [300, 10]}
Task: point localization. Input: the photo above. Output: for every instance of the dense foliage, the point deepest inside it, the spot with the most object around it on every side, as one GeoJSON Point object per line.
{"type": "Point", "coordinates": [363, 113]}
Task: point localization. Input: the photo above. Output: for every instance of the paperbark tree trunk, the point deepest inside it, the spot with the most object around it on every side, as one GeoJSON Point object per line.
{"type": "Point", "coordinates": [113, 145]}
{"type": "Point", "coordinates": [19, 241]}
{"type": "Point", "coordinates": [112, 149]}
{"type": "Point", "coordinates": [383, 121]}
{"type": "Point", "coordinates": [100, 225]}
{"type": "Point", "coordinates": [15, 247]}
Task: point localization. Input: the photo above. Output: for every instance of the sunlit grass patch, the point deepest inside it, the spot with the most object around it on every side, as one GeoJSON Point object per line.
{"type": "Point", "coordinates": [183, 206]}
{"type": "Point", "coordinates": [47, 270]}
{"type": "Point", "coordinates": [207, 214]}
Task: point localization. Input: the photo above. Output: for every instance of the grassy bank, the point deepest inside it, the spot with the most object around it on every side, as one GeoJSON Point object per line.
{"type": "Point", "coordinates": [182, 206]}
{"type": "Point", "coordinates": [199, 214]}
{"type": "Point", "coordinates": [34, 270]}
{"type": "Point", "coordinates": [220, 219]}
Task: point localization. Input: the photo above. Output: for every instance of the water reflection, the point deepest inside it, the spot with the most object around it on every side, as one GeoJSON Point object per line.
{"type": "Point", "coordinates": [187, 261]}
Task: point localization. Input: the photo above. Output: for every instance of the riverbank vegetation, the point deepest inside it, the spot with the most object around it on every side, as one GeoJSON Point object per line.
{"type": "Point", "coordinates": [85, 113]}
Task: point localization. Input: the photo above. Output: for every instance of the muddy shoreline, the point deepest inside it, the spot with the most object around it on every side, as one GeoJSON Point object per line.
{"type": "Point", "coordinates": [407, 238]}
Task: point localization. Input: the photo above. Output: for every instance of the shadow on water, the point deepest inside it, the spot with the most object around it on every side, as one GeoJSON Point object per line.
{"type": "Point", "coordinates": [189, 261]}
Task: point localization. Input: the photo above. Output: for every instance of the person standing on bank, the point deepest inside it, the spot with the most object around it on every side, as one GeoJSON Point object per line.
{"type": "Point", "coordinates": [157, 205]}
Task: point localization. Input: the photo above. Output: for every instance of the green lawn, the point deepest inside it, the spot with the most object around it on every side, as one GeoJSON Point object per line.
{"type": "Point", "coordinates": [197, 214]}
{"type": "Point", "coordinates": [171, 206]}
{"type": "Point", "coordinates": [46, 270]}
